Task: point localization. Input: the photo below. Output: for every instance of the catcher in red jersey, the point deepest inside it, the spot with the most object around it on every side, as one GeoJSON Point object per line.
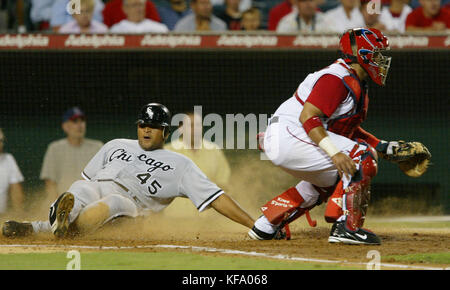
{"type": "Point", "coordinates": [316, 136]}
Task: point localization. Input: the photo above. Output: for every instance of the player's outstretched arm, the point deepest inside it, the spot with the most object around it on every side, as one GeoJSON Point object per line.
{"type": "Point", "coordinates": [226, 206]}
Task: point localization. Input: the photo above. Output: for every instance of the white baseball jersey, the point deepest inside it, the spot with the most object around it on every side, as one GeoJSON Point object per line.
{"type": "Point", "coordinates": [292, 108]}
{"type": "Point", "coordinates": [152, 178]}
{"type": "Point", "coordinates": [287, 144]}
{"type": "Point", "coordinates": [9, 174]}
{"type": "Point", "coordinates": [397, 22]}
{"type": "Point", "coordinates": [336, 19]}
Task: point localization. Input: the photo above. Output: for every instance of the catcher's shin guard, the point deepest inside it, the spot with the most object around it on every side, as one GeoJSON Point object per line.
{"type": "Point", "coordinates": [353, 200]}
{"type": "Point", "coordinates": [283, 206]}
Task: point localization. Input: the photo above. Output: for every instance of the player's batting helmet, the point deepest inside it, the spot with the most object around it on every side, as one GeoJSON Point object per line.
{"type": "Point", "coordinates": [364, 46]}
{"type": "Point", "coordinates": [156, 115]}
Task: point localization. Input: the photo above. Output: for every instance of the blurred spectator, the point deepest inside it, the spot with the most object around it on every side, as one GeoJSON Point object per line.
{"type": "Point", "coordinates": [4, 17]}
{"type": "Point", "coordinates": [243, 5]}
{"type": "Point", "coordinates": [429, 17]}
{"type": "Point", "coordinates": [41, 13]}
{"type": "Point", "coordinates": [136, 21]}
{"type": "Point", "coordinates": [83, 22]}
{"type": "Point", "coordinates": [278, 12]}
{"type": "Point", "coordinates": [15, 16]}
{"type": "Point", "coordinates": [206, 155]}
{"type": "Point", "coordinates": [113, 12]}
{"type": "Point", "coordinates": [347, 15]}
{"type": "Point", "coordinates": [10, 181]}
{"type": "Point", "coordinates": [305, 18]}
{"type": "Point", "coordinates": [174, 12]}
{"type": "Point", "coordinates": [393, 17]}
{"type": "Point", "coordinates": [230, 14]}
{"type": "Point", "coordinates": [251, 19]}
{"type": "Point", "coordinates": [61, 16]}
{"type": "Point", "coordinates": [201, 19]}
{"type": "Point", "coordinates": [371, 18]}
{"type": "Point", "coordinates": [66, 158]}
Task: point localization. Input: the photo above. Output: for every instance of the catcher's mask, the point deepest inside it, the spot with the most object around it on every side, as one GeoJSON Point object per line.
{"type": "Point", "coordinates": [365, 46]}
{"type": "Point", "coordinates": [155, 115]}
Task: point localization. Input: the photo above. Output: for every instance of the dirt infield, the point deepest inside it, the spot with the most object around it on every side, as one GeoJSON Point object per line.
{"type": "Point", "coordinates": [215, 232]}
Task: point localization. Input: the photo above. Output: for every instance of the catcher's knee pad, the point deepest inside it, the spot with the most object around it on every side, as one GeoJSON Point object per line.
{"type": "Point", "coordinates": [352, 201]}
{"type": "Point", "coordinates": [282, 206]}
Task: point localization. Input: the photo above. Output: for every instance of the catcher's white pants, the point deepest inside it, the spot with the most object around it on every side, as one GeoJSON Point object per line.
{"type": "Point", "coordinates": [288, 146]}
{"type": "Point", "coordinates": [90, 193]}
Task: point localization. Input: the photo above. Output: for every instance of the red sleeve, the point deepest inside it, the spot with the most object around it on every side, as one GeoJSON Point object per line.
{"type": "Point", "coordinates": [113, 13]}
{"type": "Point", "coordinates": [366, 136]}
{"type": "Point", "coordinates": [328, 92]}
{"type": "Point", "coordinates": [278, 12]}
{"type": "Point", "coordinates": [151, 12]}
{"type": "Point", "coordinates": [446, 17]}
{"type": "Point", "coordinates": [273, 21]}
{"type": "Point", "coordinates": [411, 19]}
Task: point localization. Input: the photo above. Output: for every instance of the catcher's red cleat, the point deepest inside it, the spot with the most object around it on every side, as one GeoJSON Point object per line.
{"type": "Point", "coordinates": [287, 232]}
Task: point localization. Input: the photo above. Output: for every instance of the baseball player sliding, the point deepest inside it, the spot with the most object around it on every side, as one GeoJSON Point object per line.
{"type": "Point", "coordinates": [316, 137]}
{"type": "Point", "coordinates": [127, 177]}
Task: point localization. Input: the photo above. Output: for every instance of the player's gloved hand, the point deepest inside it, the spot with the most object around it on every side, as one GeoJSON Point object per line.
{"type": "Point", "coordinates": [344, 164]}
{"type": "Point", "coordinates": [412, 157]}
{"type": "Point", "coordinates": [387, 149]}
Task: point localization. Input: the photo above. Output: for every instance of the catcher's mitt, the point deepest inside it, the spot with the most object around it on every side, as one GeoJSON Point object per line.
{"type": "Point", "coordinates": [412, 158]}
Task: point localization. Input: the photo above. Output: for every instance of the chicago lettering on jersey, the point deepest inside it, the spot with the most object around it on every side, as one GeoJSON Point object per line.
{"type": "Point", "coordinates": [154, 165]}
{"type": "Point", "coordinates": [122, 154]}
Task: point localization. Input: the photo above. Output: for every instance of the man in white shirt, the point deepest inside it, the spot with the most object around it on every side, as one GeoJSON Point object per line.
{"type": "Point", "coordinates": [10, 180]}
{"type": "Point", "coordinates": [83, 22]}
{"type": "Point", "coordinates": [394, 16]}
{"type": "Point", "coordinates": [66, 157]}
{"type": "Point", "coordinates": [345, 16]}
{"type": "Point", "coordinates": [305, 18]}
{"type": "Point", "coordinates": [136, 21]}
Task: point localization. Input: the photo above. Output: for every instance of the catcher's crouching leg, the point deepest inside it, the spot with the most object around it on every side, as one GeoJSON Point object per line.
{"type": "Point", "coordinates": [284, 209]}
{"type": "Point", "coordinates": [348, 204]}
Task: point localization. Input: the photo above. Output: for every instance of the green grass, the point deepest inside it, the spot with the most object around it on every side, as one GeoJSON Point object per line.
{"type": "Point", "coordinates": [152, 261]}
{"type": "Point", "coordinates": [431, 258]}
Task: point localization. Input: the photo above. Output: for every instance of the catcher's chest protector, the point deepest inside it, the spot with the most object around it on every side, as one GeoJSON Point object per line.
{"type": "Point", "coordinates": [346, 124]}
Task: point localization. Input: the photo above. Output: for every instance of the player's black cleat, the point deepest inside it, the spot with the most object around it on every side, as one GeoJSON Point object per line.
{"type": "Point", "coordinates": [12, 229]}
{"type": "Point", "coordinates": [59, 214]}
{"type": "Point", "coordinates": [340, 234]}
{"type": "Point", "coordinates": [257, 234]}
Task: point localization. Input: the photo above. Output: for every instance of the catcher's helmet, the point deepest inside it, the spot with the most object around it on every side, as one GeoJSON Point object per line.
{"type": "Point", "coordinates": [156, 115]}
{"type": "Point", "coordinates": [364, 46]}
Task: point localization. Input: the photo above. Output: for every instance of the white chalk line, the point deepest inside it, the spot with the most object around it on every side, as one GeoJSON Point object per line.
{"type": "Point", "coordinates": [225, 251]}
